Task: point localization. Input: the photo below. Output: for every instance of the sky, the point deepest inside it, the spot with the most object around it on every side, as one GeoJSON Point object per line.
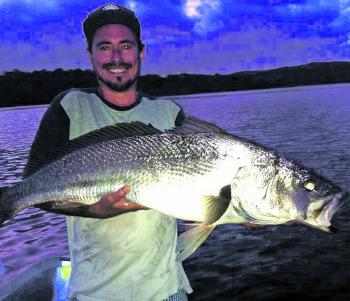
{"type": "Point", "coordinates": [182, 36]}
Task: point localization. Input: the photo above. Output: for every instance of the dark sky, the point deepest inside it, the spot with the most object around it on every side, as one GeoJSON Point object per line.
{"type": "Point", "coordinates": [193, 36]}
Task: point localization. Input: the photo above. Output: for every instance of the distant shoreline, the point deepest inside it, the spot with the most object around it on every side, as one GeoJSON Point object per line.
{"type": "Point", "coordinates": [259, 91]}
{"type": "Point", "coordinates": [19, 88]}
{"type": "Point", "coordinates": [216, 94]}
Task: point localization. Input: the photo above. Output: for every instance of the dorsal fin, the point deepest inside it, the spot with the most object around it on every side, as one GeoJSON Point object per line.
{"type": "Point", "coordinates": [107, 133]}
{"type": "Point", "coordinates": [195, 125]}
{"type": "Point", "coordinates": [115, 131]}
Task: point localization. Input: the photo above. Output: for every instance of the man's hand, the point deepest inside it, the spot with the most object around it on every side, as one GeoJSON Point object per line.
{"type": "Point", "coordinates": [251, 226]}
{"type": "Point", "coordinates": [113, 204]}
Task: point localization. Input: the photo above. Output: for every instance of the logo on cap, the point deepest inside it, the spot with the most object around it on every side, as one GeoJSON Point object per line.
{"type": "Point", "coordinates": [110, 7]}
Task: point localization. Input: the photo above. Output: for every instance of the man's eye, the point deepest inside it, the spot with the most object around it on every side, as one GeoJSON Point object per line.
{"type": "Point", "coordinates": [103, 48]}
{"type": "Point", "coordinates": [126, 46]}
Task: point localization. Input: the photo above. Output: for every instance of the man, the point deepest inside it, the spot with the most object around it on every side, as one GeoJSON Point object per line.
{"type": "Point", "coordinates": [117, 250]}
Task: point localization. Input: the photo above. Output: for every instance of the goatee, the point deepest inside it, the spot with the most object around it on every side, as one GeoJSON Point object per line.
{"type": "Point", "coordinates": [117, 87]}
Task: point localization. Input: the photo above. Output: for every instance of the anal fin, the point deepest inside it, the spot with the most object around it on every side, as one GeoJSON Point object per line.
{"type": "Point", "coordinates": [189, 241]}
{"type": "Point", "coordinates": [215, 207]}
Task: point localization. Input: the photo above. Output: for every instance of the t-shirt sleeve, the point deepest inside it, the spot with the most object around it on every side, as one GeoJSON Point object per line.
{"type": "Point", "coordinates": [53, 132]}
{"type": "Point", "coordinates": [180, 117]}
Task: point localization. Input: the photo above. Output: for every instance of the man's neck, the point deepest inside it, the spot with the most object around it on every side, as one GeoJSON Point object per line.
{"type": "Point", "coordinates": [121, 99]}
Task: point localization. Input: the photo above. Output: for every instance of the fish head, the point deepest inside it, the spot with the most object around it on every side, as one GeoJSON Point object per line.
{"type": "Point", "coordinates": [316, 198]}
{"type": "Point", "coordinates": [278, 191]}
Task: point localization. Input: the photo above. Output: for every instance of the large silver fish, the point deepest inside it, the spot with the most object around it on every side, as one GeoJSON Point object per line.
{"type": "Point", "coordinates": [196, 173]}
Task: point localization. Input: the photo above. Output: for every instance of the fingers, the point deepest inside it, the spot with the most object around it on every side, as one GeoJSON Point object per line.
{"type": "Point", "coordinates": [123, 191]}
{"type": "Point", "coordinates": [117, 196]}
{"type": "Point", "coordinates": [290, 222]}
{"type": "Point", "coordinates": [127, 205]}
{"type": "Point", "coordinates": [251, 226]}
{"type": "Point", "coordinates": [117, 200]}
{"type": "Point", "coordinates": [114, 203]}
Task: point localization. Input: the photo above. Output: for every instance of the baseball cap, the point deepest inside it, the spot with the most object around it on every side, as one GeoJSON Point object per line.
{"type": "Point", "coordinates": [110, 14]}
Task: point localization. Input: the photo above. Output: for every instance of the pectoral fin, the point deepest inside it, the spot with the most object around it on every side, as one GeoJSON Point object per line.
{"type": "Point", "coordinates": [215, 206]}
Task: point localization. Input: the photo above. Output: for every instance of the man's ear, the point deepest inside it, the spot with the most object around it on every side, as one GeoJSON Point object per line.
{"type": "Point", "coordinates": [89, 54]}
{"type": "Point", "coordinates": [142, 52]}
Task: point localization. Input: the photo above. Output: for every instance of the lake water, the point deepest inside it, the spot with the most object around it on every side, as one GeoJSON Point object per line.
{"type": "Point", "coordinates": [309, 124]}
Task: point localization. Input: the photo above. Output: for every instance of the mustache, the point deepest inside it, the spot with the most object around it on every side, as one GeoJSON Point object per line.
{"type": "Point", "coordinates": [116, 65]}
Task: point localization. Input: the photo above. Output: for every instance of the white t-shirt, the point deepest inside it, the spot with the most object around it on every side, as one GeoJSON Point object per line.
{"type": "Point", "coordinates": [131, 256]}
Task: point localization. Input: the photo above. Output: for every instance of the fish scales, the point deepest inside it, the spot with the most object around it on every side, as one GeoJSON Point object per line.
{"type": "Point", "coordinates": [157, 166]}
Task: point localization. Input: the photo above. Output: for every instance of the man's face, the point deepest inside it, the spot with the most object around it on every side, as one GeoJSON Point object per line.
{"type": "Point", "coordinates": [115, 57]}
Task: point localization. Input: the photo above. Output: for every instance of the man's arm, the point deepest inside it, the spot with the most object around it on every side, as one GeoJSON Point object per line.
{"type": "Point", "coordinates": [109, 205]}
{"type": "Point", "coordinates": [53, 132]}
{"type": "Point", "coordinates": [180, 118]}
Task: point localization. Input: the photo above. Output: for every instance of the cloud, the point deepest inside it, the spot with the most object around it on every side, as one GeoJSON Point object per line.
{"type": "Point", "coordinates": [342, 22]}
{"type": "Point", "coordinates": [52, 49]}
{"type": "Point", "coordinates": [195, 34]}
{"type": "Point", "coordinates": [251, 49]}
{"type": "Point", "coordinates": [205, 14]}
{"type": "Point", "coordinates": [197, 16]}
{"type": "Point", "coordinates": [305, 17]}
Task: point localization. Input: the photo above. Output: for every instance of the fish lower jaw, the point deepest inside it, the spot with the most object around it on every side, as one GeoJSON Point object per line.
{"type": "Point", "coordinates": [333, 206]}
{"type": "Point", "coordinates": [329, 209]}
{"type": "Point", "coordinates": [320, 225]}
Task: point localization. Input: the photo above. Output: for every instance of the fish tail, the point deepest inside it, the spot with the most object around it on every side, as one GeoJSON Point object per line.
{"type": "Point", "coordinates": [189, 241]}
{"type": "Point", "coordinates": [5, 210]}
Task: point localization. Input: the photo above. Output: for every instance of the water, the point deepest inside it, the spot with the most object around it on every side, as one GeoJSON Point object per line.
{"type": "Point", "coordinates": [309, 124]}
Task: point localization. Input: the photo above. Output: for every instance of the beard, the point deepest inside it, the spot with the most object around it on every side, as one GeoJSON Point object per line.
{"type": "Point", "coordinates": [120, 86]}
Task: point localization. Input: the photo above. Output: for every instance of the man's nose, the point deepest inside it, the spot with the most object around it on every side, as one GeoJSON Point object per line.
{"type": "Point", "coordinates": [116, 55]}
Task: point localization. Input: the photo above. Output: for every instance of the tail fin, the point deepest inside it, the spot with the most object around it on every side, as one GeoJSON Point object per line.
{"type": "Point", "coordinates": [5, 209]}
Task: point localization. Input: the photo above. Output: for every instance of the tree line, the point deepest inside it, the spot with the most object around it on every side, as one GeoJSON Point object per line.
{"type": "Point", "coordinates": [39, 87]}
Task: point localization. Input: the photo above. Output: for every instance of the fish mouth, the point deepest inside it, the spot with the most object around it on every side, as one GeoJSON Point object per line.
{"type": "Point", "coordinates": [332, 205]}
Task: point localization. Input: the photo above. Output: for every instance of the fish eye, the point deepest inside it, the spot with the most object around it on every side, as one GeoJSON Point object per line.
{"type": "Point", "coordinates": [310, 185]}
